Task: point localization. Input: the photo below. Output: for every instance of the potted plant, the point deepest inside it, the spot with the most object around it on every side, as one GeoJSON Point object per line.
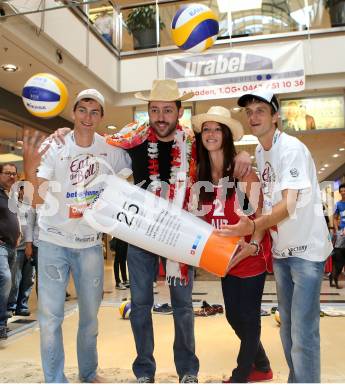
{"type": "Point", "coordinates": [336, 12]}
{"type": "Point", "coordinates": [141, 23]}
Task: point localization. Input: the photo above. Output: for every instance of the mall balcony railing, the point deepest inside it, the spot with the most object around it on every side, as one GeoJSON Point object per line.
{"type": "Point", "coordinates": [134, 24]}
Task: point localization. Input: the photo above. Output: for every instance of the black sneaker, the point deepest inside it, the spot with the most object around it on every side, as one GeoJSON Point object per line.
{"type": "Point", "coordinates": [165, 308]}
{"type": "Point", "coordinates": [3, 332]}
{"type": "Point", "coordinates": [23, 312]}
{"type": "Point", "coordinates": [145, 379]}
{"type": "Point", "coordinates": [187, 378]}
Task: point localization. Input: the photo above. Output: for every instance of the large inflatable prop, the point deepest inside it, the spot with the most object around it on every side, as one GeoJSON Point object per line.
{"type": "Point", "coordinates": [139, 217]}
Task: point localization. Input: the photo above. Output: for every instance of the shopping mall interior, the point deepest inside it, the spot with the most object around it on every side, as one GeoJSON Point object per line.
{"type": "Point", "coordinates": [304, 39]}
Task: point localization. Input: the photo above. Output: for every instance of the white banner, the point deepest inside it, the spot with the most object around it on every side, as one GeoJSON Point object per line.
{"type": "Point", "coordinates": [229, 73]}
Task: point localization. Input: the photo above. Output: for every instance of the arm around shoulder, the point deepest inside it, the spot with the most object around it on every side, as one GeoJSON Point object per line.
{"type": "Point", "coordinates": [121, 162]}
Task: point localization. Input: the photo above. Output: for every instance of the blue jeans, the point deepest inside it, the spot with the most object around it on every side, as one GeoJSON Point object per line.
{"type": "Point", "coordinates": [23, 277]}
{"type": "Point", "coordinates": [7, 259]}
{"type": "Point", "coordinates": [242, 299]}
{"type": "Point", "coordinates": [298, 289]}
{"type": "Point", "coordinates": [141, 266]}
{"type": "Point", "coordinates": [55, 263]}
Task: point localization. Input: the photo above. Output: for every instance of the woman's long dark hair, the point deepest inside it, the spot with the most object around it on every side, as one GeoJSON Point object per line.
{"type": "Point", "coordinates": [204, 170]}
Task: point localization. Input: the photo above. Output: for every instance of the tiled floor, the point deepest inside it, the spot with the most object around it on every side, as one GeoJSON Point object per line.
{"type": "Point", "coordinates": [206, 287]}
{"type": "Point", "coordinates": [222, 344]}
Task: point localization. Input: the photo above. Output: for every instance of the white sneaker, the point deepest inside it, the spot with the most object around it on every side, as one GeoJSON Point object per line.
{"type": "Point", "coordinates": [120, 286]}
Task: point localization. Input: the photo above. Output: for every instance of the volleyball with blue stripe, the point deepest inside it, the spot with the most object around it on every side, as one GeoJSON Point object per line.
{"type": "Point", "coordinates": [44, 95]}
{"type": "Point", "coordinates": [125, 309]}
{"type": "Point", "coordinates": [194, 28]}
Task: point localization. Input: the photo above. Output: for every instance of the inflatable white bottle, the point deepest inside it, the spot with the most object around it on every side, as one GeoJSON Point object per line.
{"type": "Point", "coordinates": [142, 219]}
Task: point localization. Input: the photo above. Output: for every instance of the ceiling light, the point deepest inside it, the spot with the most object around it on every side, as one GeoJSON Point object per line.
{"type": "Point", "coordinates": [252, 157]}
{"type": "Point", "coordinates": [111, 127]}
{"type": "Point", "coordinates": [9, 67]}
{"type": "Point", "coordinates": [341, 149]}
{"type": "Point", "coordinates": [238, 5]}
{"type": "Point", "coordinates": [335, 155]}
{"type": "Point", "coordinates": [236, 109]}
{"type": "Point", "coordinates": [322, 169]}
{"type": "Point", "coordinates": [326, 165]}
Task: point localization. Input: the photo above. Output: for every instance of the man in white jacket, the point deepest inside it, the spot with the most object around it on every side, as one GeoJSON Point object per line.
{"type": "Point", "coordinates": [292, 200]}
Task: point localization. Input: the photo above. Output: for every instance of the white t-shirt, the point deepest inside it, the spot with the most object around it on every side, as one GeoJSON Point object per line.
{"type": "Point", "coordinates": [104, 24]}
{"type": "Point", "coordinates": [289, 165]}
{"type": "Point", "coordinates": [76, 179]}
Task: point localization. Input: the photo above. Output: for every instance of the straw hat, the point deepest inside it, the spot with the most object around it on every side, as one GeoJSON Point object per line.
{"type": "Point", "coordinates": [164, 91]}
{"type": "Point", "coordinates": [221, 115]}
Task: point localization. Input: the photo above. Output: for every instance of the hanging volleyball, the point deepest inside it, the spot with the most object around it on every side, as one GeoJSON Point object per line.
{"type": "Point", "coordinates": [44, 95]}
{"type": "Point", "coordinates": [194, 28]}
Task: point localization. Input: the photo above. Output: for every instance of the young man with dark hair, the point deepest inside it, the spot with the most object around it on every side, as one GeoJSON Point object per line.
{"type": "Point", "coordinates": [9, 234]}
{"type": "Point", "coordinates": [338, 255]}
{"type": "Point", "coordinates": [291, 197]}
{"type": "Point", "coordinates": [67, 243]}
{"type": "Point", "coordinates": [153, 157]}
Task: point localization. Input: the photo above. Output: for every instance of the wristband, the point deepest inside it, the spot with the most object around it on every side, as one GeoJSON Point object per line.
{"type": "Point", "coordinates": [253, 226]}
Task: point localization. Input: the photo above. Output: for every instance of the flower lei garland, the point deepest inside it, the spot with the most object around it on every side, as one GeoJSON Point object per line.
{"type": "Point", "coordinates": [136, 133]}
{"type": "Point", "coordinates": [175, 165]}
{"type": "Point", "coordinates": [133, 134]}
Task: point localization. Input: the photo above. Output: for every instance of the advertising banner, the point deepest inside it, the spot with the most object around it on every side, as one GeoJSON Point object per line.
{"type": "Point", "coordinates": [229, 73]}
{"type": "Point", "coordinates": [313, 113]}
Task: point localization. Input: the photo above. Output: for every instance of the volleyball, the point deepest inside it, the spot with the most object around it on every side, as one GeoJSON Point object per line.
{"type": "Point", "coordinates": [194, 28]}
{"type": "Point", "coordinates": [44, 95]}
{"type": "Point", "coordinates": [125, 309]}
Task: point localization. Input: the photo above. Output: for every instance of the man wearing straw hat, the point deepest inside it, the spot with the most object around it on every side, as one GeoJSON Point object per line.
{"type": "Point", "coordinates": [163, 158]}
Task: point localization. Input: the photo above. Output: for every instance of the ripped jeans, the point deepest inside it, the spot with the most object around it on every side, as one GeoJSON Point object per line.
{"type": "Point", "coordinates": [55, 263]}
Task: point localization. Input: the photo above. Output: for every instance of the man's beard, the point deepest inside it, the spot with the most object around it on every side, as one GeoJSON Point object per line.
{"type": "Point", "coordinates": [163, 133]}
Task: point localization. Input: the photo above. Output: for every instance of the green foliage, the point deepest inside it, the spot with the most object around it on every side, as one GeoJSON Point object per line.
{"type": "Point", "coordinates": [331, 3]}
{"type": "Point", "coordinates": [142, 18]}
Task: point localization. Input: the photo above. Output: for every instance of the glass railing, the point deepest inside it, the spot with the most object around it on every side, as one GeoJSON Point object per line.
{"type": "Point", "coordinates": [269, 17]}
{"type": "Point", "coordinates": [128, 25]}
{"type": "Point", "coordinates": [106, 20]}
{"type": "Point", "coordinates": [101, 17]}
